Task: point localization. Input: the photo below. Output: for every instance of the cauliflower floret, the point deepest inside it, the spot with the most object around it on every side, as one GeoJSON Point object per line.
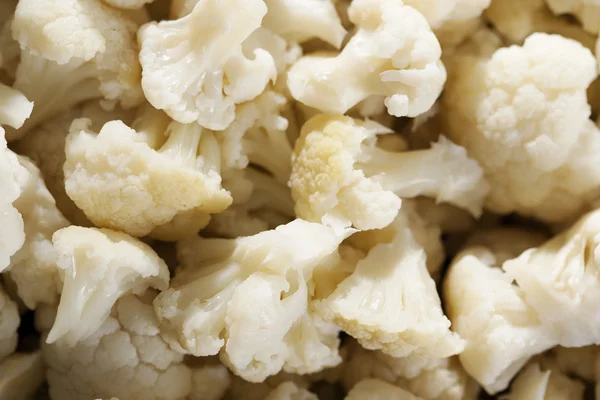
{"type": "Point", "coordinates": [33, 268]}
{"type": "Point", "coordinates": [45, 145]}
{"type": "Point", "coordinates": [73, 51]}
{"type": "Point", "coordinates": [248, 299]}
{"type": "Point", "coordinates": [523, 115]}
{"type": "Point", "coordinates": [9, 323]}
{"type": "Point", "coordinates": [534, 384]}
{"type": "Point", "coordinates": [340, 177]}
{"type": "Point", "coordinates": [394, 54]}
{"type": "Point", "coordinates": [140, 179]}
{"type": "Point", "coordinates": [207, 48]}
{"type": "Point", "coordinates": [21, 375]}
{"type": "Point", "coordinates": [12, 174]}
{"type": "Point", "coordinates": [125, 357]}
{"type": "Point", "coordinates": [587, 11]}
{"type": "Point", "coordinates": [241, 389]}
{"type": "Point", "coordinates": [375, 389]}
{"type": "Point", "coordinates": [561, 281]}
{"type": "Point", "coordinates": [99, 266]}
{"type": "Point", "coordinates": [502, 331]}
{"type": "Point", "coordinates": [14, 107]}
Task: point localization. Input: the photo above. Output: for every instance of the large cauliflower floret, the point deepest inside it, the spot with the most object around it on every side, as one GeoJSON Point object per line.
{"type": "Point", "coordinates": [140, 179]}
{"type": "Point", "coordinates": [248, 299]}
{"type": "Point", "coordinates": [124, 357]}
{"type": "Point", "coordinates": [33, 267]}
{"type": "Point", "coordinates": [533, 383]}
{"type": "Point", "coordinates": [390, 303]}
{"type": "Point", "coordinates": [12, 174]}
{"type": "Point", "coordinates": [9, 323]}
{"type": "Point", "coordinates": [21, 375]}
{"type": "Point", "coordinates": [587, 11]}
{"type": "Point", "coordinates": [561, 281]}
{"type": "Point", "coordinates": [340, 177]}
{"type": "Point", "coordinates": [74, 51]}
{"type": "Point", "coordinates": [207, 48]}
{"type": "Point", "coordinates": [523, 114]}
{"type": "Point", "coordinates": [99, 266]}
{"type": "Point", "coordinates": [502, 331]}
{"type": "Point", "coordinates": [394, 54]}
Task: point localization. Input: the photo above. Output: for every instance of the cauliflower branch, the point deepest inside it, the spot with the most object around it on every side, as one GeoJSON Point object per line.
{"type": "Point", "coordinates": [393, 54]}
{"type": "Point", "coordinates": [99, 267]}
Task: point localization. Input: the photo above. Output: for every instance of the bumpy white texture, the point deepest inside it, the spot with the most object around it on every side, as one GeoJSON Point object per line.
{"type": "Point", "coordinates": [394, 54]}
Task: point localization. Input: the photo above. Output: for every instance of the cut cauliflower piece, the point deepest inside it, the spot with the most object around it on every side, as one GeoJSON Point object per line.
{"type": "Point", "coordinates": [502, 331]}
{"type": "Point", "coordinates": [94, 57]}
{"type": "Point", "coordinates": [12, 174]}
{"type": "Point", "coordinates": [21, 375]}
{"type": "Point", "coordinates": [390, 303]}
{"type": "Point", "coordinates": [99, 267]}
{"type": "Point", "coordinates": [9, 323]}
{"type": "Point", "coordinates": [340, 177]}
{"type": "Point", "coordinates": [587, 11]}
{"type": "Point", "coordinates": [394, 54]}
{"type": "Point", "coordinates": [534, 384]}
{"type": "Point", "coordinates": [248, 299]}
{"type": "Point", "coordinates": [140, 179]}
{"type": "Point", "coordinates": [523, 115]}
{"type": "Point", "coordinates": [45, 145]}
{"type": "Point", "coordinates": [14, 107]}
{"type": "Point", "coordinates": [561, 281]}
{"type": "Point", "coordinates": [375, 389]}
{"type": "Point", "coordinates": [207, 48]}
{"type": "Point", "coordinates": [125, 357]}
{"type": "Point", "coordinates": [33, 268]}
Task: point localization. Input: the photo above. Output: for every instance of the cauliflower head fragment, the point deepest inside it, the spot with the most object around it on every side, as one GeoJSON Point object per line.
{"type": "Point", "coordinates": [394, 54]}
{"type": "Point", "coordinates": [561, 281]}
{"type": "Point", "coordinates": [523, 115]}
{"type": "Point", "coordinates": [248, 298]}
{"type": "Point", "coordinates": [340, 177]}
{"type": "Point", "coordinates": [137, 180]}
{"type": "Point", "coordinates": [197, 68]}
{"type": "Point", "coordinates": [99, 267]}
{"type": "Point", "coordinates": [9, 323]}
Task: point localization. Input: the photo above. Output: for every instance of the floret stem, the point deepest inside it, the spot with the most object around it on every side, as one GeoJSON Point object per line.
{"type": "Point", "coordinates": [14, 107]}
{"type": "Point", "coordinates": [182, 143]}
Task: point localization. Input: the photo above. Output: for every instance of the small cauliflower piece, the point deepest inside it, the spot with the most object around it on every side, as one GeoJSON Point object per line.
{"type": "Point", "coordinates": [561, 281]}
{"type": "Point", "coordinates": [100, 266]}
{"type": "Point", "coordinates": [21, 375]}
{"type": "Point", "coordinates": [534, 384]}
{"type": "Point", "coordinates": [289, 391]}
{"type": "Point", "coordinates": [12, 174]}
{"type": "Point", "coordinates": [125, 358]}
{"type": "Point", "coordinates": [341, 178]}
{"type": "Point", "coordinates": [586, 11]}
{"type": "Point", "coordinates": [501, 330]}
{"type": "Point", "coordinates": [207, 48]}
{"type": "Point", "coordinates": [394, 54]}
{"type": "Point", "coordinates": [33, 268]}
{"type": "Point", "coordinates": [523, 115]}
{"type": "Point", "coordinates": [14, 107]}
{"type": "Point", "coordinates": [390, 303]}
{"type": "Point", "coordinates": [74, 51]}
{"type": "Point", "coordinates": [248, 299]}
{"type": "Point", "coordinates": [9, 323]}
{"type": "Point", "coordinates": [375, 389]}
{"type": "Point", "coordinates": [139, 180]}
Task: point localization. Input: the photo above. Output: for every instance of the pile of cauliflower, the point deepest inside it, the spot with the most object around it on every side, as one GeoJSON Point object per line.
{"type": "Point", "coordinates": [299, 199]}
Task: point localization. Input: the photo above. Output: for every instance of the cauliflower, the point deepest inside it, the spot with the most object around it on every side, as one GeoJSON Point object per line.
{"type": "Point", "coordinates": [128, 4]}
{"type": "Point", "coordinates": [73, 51]}
{"type": "Point", "coordinates": [375, 389]}
{"type": "Point", "coordinates": [393, 54]}
{"type": "Point", "coordinates": [340, 177]}
{"type": "Point", "coordinates": [579, 362]}
{"type": "Point", "coordinates": [501, 330]}
{"type": "Point", "coordinates": [9, 323]}
{"type": "Point", "coordinates": [248, 299]}
{"type": "Point", "coordinates": [124, 357]}
{"type": "Point", "coordinates": [390, 303]}
{"type": "Point", "coordinates": [194, 46]}
{"type": "Point", "coordinates": [587, 11]}
{"type": "Point", "coordinates": [14, 107]}
{"type": "Point", "coordinates": [534, 384]}
{"type": "Point", "coordinates": [523, 115]}
{"type": "Point", "coordinates": [143, 178]}
{"type": "Point", "coordinates": [289, 391]}
{"type": "Point", "coordinates": [99, 266]}
{"type": "Point", "coordinates": [21, 375]}
{"type": "Point", "coordinates": [33, 268]}
{"type": "Point", "coordinates": [561, 280]}
{"type": "Point", "coordinates": [209, 382]}
{"type": "Point", "coordinates": [12, 174]}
